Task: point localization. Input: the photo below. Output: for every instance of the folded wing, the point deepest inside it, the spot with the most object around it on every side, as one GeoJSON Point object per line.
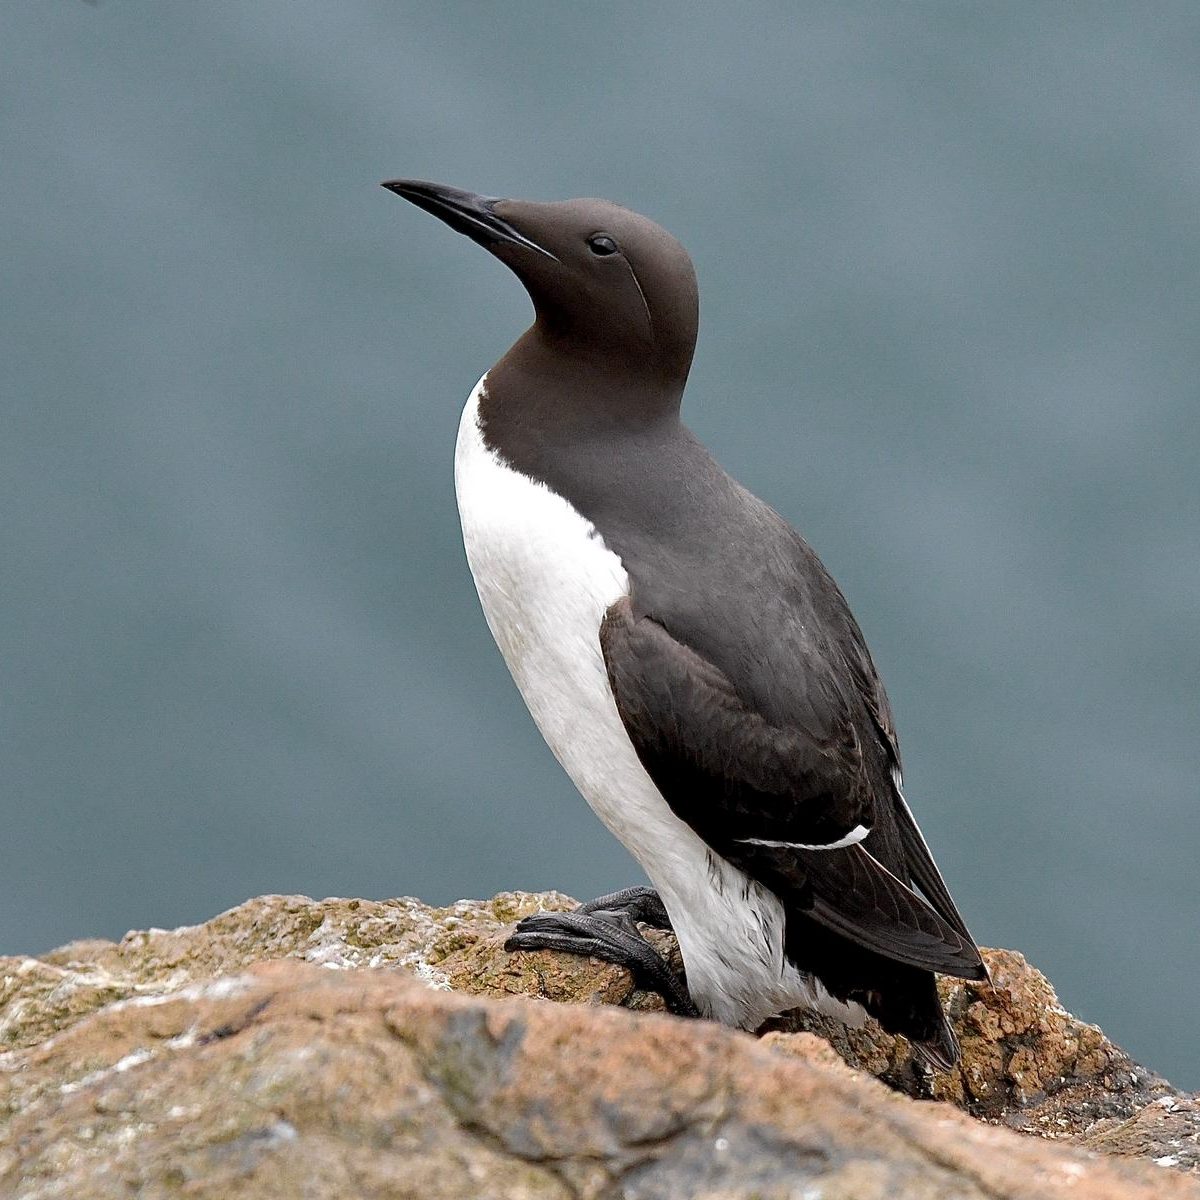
{"type": "Point", "coordinates": [764, 796]}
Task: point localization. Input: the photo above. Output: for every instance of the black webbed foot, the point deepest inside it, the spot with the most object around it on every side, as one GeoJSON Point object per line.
{"type": "Point", "coordinates": [606, 928]}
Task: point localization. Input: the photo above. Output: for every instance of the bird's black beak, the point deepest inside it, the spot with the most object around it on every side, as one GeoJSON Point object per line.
{"type": "Point", "coordinates": [465, 212]}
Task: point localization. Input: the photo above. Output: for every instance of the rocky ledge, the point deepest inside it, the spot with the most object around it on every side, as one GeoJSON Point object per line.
{"type": "Point", "coordinates": [347, 1048]}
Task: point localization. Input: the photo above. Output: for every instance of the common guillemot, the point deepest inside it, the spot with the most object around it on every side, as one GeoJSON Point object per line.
{"type": "Point", "coordinates": [686, 656]}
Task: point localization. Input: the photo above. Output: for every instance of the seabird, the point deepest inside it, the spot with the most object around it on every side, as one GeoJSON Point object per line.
{"type": "Point", "coordinates": [686, 656]}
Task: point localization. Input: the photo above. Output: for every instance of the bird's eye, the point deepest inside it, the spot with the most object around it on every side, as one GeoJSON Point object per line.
{"type": "Point", "coordinates": [602, 245]}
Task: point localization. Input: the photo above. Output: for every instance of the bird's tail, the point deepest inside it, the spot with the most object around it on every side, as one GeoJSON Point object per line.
{"type": "Point", "coordinates": [903, 999]}
{"type": "Point", "coordinates": [941, 1051]}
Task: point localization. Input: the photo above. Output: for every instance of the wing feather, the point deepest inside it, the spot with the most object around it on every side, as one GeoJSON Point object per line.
{"type": "Point", "coordinates": [921, 866]}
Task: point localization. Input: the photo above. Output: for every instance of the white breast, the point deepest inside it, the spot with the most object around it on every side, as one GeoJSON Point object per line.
{"type": "Point", "coordinates": [545, 579]}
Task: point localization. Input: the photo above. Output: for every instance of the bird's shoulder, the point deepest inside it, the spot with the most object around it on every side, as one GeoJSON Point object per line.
{"type": "Point", "coordinates": [742, 588]}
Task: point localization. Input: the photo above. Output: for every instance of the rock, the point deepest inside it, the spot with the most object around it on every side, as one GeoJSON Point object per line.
{"type": "Point", "coordinates": [1026, 1061]}
{"type": "Point", "coordinates": [459, 947]}
{"type": "Point", "coordinates": [284, 1079]}
{"type": "Point", "coordinates": [193, 1062]}
{"type": "Point", "coordinates": [1167, 1132]}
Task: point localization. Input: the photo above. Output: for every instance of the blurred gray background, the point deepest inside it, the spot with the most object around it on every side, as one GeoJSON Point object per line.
{"type": "Point", "coordinates": [948, 257]}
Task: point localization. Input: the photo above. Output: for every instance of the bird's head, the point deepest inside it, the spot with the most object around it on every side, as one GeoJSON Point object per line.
{"type": "Point", "coordinates": [605, 281]}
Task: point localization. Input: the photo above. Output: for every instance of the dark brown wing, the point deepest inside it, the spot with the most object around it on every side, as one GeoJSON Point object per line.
{"type": "Point", "coordinates": [852, 893]}
{"type": "Point", "coordinates": [726, 770]}
{"type": "Point", "coordinates": [761, 795]}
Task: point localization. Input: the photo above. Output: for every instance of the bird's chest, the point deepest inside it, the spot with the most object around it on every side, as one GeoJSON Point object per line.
{"type": "Point", "coordinates": [545, 579]}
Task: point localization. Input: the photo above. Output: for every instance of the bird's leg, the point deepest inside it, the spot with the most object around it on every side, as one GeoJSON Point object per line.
{"type": "Point", "coordinates": [641, 903]}
{"type": "Point", "coordinates": [606, 928]}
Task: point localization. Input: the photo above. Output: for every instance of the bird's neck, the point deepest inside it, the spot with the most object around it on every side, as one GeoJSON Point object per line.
{"type": "Point", "coordinates": [576, 424]}
{"type": "Point", "coordinates": [578, 386]}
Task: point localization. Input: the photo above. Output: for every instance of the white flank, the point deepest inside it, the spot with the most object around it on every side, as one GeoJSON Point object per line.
{"type": "Point", "coordinates": [545, 580]}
